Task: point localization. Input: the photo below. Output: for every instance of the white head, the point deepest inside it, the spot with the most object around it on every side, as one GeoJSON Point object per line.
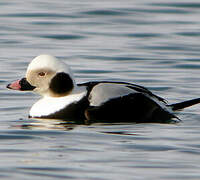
{"type": "Point", "coordinates": [47, 76]}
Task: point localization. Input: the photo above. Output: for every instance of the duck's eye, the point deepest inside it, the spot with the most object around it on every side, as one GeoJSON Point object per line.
{"type": "Point", "coordinates": [41, 73]}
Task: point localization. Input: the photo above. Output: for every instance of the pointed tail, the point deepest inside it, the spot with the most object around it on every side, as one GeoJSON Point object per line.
{"type": "Point", "coordinates": [184, 104]}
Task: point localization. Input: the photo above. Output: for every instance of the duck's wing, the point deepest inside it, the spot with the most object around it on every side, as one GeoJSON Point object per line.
{"type": "Point", "coordinates": [104, 90]}
{"type": "Point", "coordinates": [145, 91]}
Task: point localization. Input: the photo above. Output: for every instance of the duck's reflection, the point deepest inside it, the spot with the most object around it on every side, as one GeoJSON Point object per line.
{"type": "Point", "coordinates": [45, 124]}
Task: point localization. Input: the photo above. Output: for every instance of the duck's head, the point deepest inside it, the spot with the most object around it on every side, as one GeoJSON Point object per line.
{"type": "Point", "coordinates": [47, 76]}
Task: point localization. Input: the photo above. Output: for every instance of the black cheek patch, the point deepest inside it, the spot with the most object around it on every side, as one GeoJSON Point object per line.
{"type": "Point", "coordinates": [61, 83]}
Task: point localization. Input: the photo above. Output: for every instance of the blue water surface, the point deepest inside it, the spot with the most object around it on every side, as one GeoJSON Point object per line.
{"type": "Point", "coordinates": [154, 43]}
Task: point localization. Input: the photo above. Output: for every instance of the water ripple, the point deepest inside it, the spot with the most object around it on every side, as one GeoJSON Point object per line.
{"type": "Point", "coordinates": [157, 11]}
{"type": "Point", "coordinates": [62, 36]}
{"type": "Point", "coordinates": [191, 34]}
{"type": "Point", "coordinates": [106, 12]}
{"type": "Point", "coordinates": [37, 15]}
{"type": "Point", "coordinates": [195, 5]}
{"type": "Point", "coordinates": [14, 137]}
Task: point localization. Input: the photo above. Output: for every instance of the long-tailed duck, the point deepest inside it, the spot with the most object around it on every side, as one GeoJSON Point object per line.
{"type": "Point", "coordinates": [100, 101]}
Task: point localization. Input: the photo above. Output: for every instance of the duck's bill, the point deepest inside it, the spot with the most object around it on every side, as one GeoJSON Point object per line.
{"type": "Point", "coordinates": [21, 85]}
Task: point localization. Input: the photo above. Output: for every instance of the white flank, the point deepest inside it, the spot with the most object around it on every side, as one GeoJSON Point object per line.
{"type": "Point", "coordinates": [106, 91]}
{"type": "Point", "coordinates": [50, 105]}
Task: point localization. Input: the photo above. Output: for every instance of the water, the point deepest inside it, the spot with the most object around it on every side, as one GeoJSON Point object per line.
{"type": "Point", "coordinates": [153, 43]}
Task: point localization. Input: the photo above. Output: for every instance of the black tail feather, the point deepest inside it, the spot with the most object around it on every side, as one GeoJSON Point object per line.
{"type": "Point", "coordinates": [182, 105]}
